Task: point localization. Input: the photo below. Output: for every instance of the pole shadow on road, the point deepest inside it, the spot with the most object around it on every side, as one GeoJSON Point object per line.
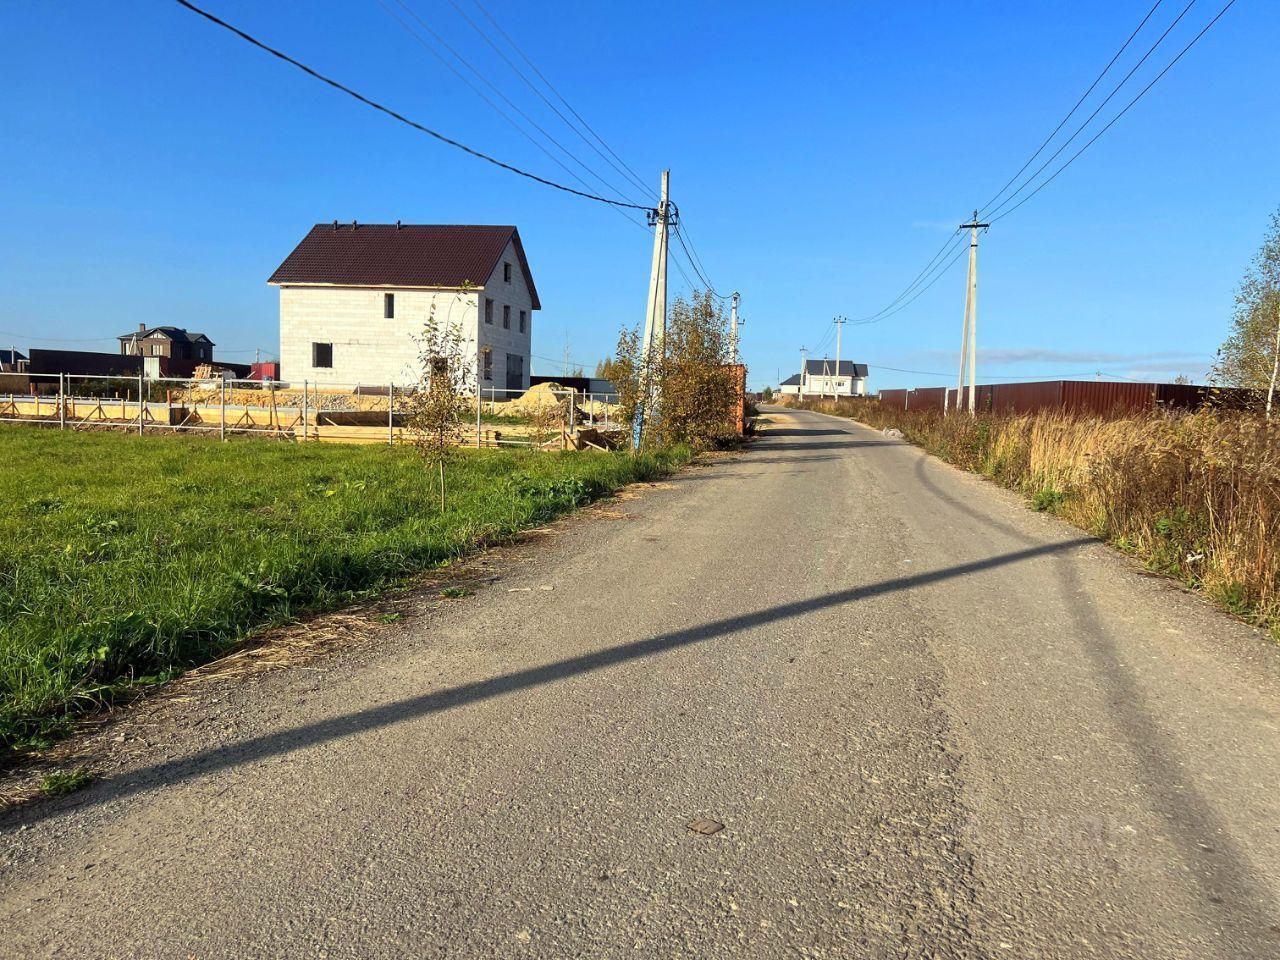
{"type": "Point", "coordinates": [286, 741]}
{"type": "Point", "coordinates": [1218, 865]}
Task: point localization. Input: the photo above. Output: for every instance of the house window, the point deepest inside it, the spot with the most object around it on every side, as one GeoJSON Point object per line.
{"type": "Point", "coordinates": [515, 371]}
{"type": "Point", "coordinates": [506, 273]}
{"type": "Point", "coordinates": [487, 359]}
{"type": "Point", "coordinates": [388, 305]}
{"type": "Point", "coordinates": [524, 319]}
{"type": "Point", "coordinates": [322, 354]}
{"type": "Point", "coordinates": [488, 310]}
{"type": "Point", "coordinates": [506, 316]}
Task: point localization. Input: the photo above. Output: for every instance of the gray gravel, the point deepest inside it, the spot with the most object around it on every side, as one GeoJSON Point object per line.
{"type": "Point", "coordinates": [933, 723]}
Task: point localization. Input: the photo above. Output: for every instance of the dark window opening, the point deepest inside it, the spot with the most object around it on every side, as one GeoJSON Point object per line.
{"type": "Point", "coordinates": [488, 310]}
{"type": "Point", "coordinates": [388, 305]}
{"type": "Point", "coordinates": [322, 354]}
{"type": "Point", "coordinates": [487, 357]}
{"type": "Point", "coordinates": [515, 371]}
{"type": "Point", "coordinates": [524, 319]}
{"type": "Point", "coordinates": [506, 317]}
{"type": "Point", "coordinates": [506, 273]}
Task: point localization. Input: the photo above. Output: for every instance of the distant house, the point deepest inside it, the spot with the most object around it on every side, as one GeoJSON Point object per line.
{"type": "Point", "coordinates": [12, 361]}
{"type": "Point", "coordinates": [172, 342]}
{"type": "Point", "coordinates": [353, 297]}
{"type": "Point", "coordinates": [822, 378]}
{"type": "Point", "coordinates": [790, 386]}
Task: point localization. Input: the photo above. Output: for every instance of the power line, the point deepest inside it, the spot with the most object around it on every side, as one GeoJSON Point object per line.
{"type": "Point", "coordinates": [949, 244]}
{"type": "Point", "coordinates": [1070, 113]}
{"type": "Point", "coordinates": [27, 336]}
{"type": "Point", "coordinates": [932, 268]}
{"type": "Point", "coordinates": [707, 285]}
{"type": "Point", "coordinates": [490, 84]}
{"type": "Point", "coordinates": [1116, 89]}
{"type": "Point", "coordinates": [400, 117]}
{"type": "Point", "coordinates": [528, 83]}
{"type": "Point", "coordinates": [960, 251]}
{"type": "Point", "coordinates": [561, 362]}
{"type": "Point", "coordinates": [1111, 123]}
{"type": "Point", "coordinates": [695, 260]}
{"type": "Point", "coordinates": [680, 267]}
{"type": "Point", "coordinates": [506, 36]}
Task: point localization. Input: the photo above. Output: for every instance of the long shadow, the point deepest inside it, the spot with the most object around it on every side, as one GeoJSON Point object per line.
{"type": "Point", "coordinates": [1219, 866]}
{"type": "Point", "coordinates": [803, 432]}
{"type": "Point", "coordinates": [373, 718]}
{"type": "Point", "coordinates": [829, 444]}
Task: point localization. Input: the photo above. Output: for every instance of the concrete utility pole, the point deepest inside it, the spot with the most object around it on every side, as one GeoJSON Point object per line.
{"type": "Point", "coordinates": [733, 326]}
{"type": "Point", "coordinates": [969, 339]}
{"type": "Point", "coordinates": [839, 322]}
{"type": "Point", "coordinates": [804, 354]}
{"type": "Point", "coordinates": [655, 321]}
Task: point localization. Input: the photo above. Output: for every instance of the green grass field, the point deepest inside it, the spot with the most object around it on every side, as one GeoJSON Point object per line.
{"type": "Point", "coordinates": [124, 559]}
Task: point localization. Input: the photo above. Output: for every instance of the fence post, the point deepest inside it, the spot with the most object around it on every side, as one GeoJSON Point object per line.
{"type": "Point", "coordinates": [304, 413]}
{"type": "Point", "coordinates": [141, 403]}
{"type": "Point", "coordinates": [222, 417]}
{"type": "Point", "coordinates": [62, 402]}
{"type": "Point", "coordinates": [391, 415]}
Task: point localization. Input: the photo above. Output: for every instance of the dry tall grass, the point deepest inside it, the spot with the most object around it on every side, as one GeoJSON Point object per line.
{"type": "Point", "coordinates": [1194, 496]}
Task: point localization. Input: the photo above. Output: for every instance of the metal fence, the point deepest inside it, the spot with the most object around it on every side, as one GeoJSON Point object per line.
{"type": "Point", "coordinates": [1080, 397]}
{"type": "Point", "coordinates": [545, 417]}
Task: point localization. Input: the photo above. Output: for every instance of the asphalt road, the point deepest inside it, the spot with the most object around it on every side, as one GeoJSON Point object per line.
{"type": "Point", "coordinates": [932, 722]}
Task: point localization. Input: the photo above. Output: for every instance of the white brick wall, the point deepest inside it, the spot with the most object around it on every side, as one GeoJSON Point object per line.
{"type": "Point", "coordinates": [372, 350]}
{"type": "Point", "coordinates": [833, 386]}
{"type": "Point", "coordinates": [504, 342]}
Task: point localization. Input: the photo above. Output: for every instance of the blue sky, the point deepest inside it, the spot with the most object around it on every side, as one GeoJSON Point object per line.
{"type": "Point", "coordinates": [155, 169]}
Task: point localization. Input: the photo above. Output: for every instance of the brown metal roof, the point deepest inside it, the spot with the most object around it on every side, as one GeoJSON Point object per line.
{"type": "Point", "coordinates": [176, 334]}
{"type": "Point", "coordinates": [394, 255]}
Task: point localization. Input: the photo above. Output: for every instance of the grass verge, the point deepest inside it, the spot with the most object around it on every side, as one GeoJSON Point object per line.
{"type": "Point", "coordinates": [125, 560]}
{"type": "Point", "coordinates": [1195, 496]}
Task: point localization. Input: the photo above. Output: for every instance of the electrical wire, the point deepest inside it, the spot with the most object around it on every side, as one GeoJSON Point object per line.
{"type": "Point", "coordinates": [706, 284]}
{"type": "Point", "coordinates": [1111, 123]}
{"type": "Point", "coordinates": [400, 117]}
{"type": "Point", "coordinates": [1070, 113]}
{"type": "Point", "coordinates": [27, 336]}
{"type": "Point", "coordinates": [680, 267]}
{"type": "Point", "coordinates": [935, 272]}
{"type": "Point", "coordinates": [694, 260]}
{"type": "Point", "coordinates": [528, 83]}
{"type": "Point", "coordinates": [1116, 89]}
{"type": "Point", "coordinates": [635, 178]}
{"type": "Point", "coordinates": [919, 293]}
{"type": "Point", "coordinates": [948, 245]}
{"type": "Point", "coordinates": [490, 84]}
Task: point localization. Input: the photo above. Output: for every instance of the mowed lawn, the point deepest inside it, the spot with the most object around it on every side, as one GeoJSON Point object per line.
{"type": "Point", "coordinates": [125, 559]}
